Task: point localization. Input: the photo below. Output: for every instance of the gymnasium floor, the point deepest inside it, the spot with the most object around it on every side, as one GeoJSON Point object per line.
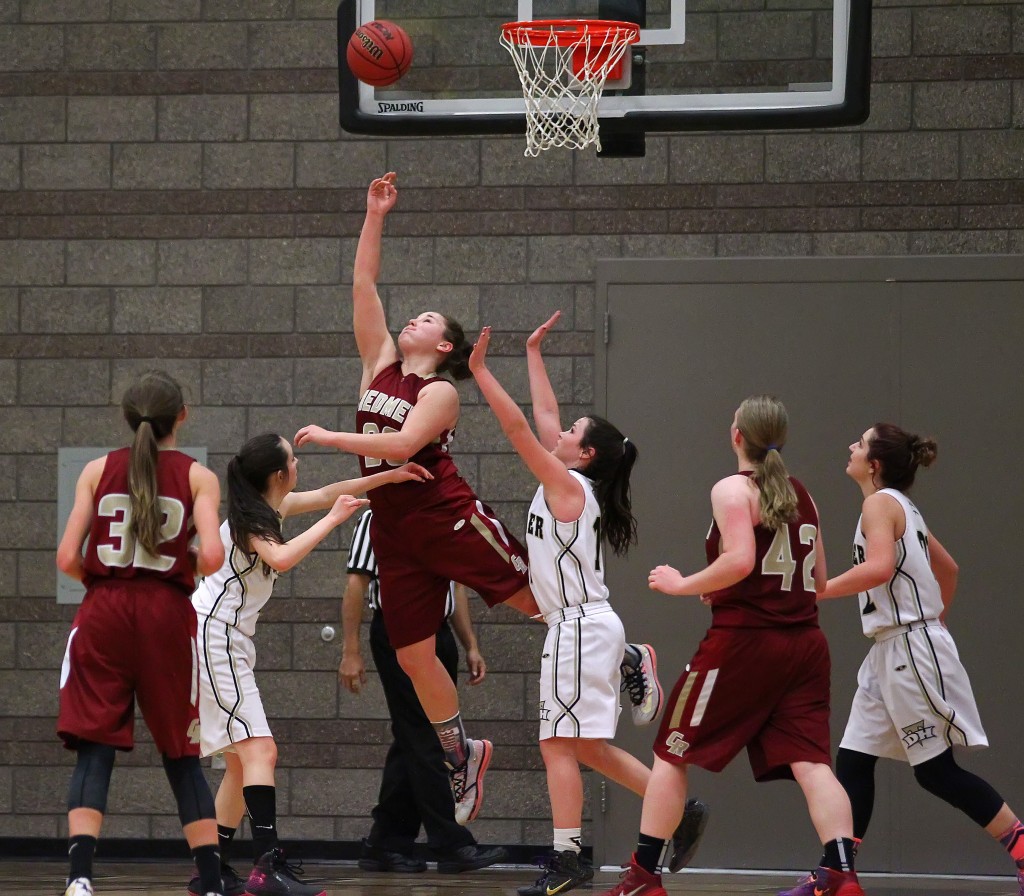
{"type": "Point", "coordinates": [344, 879]}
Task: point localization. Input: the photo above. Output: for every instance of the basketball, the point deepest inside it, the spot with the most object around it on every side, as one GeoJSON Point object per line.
{"type": "Point", "coordinates": [379, 53]}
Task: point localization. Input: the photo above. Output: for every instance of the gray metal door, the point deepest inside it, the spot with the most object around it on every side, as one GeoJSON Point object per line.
{"type": "Point", "coordinates": [844, 343]}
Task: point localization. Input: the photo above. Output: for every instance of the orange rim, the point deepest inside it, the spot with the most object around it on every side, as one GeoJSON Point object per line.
{"type": "Point", "coordinates": [566, 32]}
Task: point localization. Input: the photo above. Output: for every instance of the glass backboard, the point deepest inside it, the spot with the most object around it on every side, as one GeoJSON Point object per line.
{"type": "Point", "coordinates": [699, 65]}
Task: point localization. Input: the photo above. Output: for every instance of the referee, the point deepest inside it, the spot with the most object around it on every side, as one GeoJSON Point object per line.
{"type": "Point", "coordinates": [415, 788]}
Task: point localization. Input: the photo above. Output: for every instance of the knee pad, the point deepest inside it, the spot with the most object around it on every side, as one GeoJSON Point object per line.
{"type": "Point", "coordinates": [90, 781]}
{"type": "Point", "coordinates": [962, 789]}
{"type": "Point", "coordinates": [191, 792]}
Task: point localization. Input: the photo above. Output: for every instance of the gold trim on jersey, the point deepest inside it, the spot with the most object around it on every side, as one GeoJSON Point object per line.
{"type": "Point", "coordinates": [489, 537]}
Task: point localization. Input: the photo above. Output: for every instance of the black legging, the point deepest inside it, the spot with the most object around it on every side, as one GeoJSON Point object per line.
{"type": "Point", "coordinates": [941, 776]}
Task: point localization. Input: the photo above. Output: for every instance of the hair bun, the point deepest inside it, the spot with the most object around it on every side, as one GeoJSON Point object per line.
{"type": "Point", "coordinates": [923, 450]}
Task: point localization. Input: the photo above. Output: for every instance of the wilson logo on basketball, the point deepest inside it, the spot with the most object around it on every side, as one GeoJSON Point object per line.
{"type": "Point", "coordinates": [369, 45]}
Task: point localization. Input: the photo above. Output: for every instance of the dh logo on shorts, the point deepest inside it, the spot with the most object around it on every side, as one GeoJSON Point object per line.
{"type": "Point", "coordinates": [545, 713]}
{"type": "Point", "coordinates": [676, 744]}
{"type": "Point", "coordinates": [916, 734]}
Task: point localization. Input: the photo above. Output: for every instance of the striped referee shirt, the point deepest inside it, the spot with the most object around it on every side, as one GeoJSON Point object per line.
{"type": "Point", "coordinates": [362, 561]}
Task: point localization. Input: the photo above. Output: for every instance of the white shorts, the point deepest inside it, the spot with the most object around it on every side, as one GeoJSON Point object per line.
{"type": "Point", "coordinates": [579, 675]}
{"type": "Point", "coordinates": [914, 699]}
{"type": "Point", "coordinates": [230, 708]}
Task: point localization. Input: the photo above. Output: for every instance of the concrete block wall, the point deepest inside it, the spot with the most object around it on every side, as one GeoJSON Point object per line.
{"type": "Point", "coordinates": [175, 190]}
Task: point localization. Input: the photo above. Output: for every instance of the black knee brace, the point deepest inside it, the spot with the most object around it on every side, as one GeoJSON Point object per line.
{"type": "Point", "coordinates": [964, 790]}
{"type": "Point", "coordinates": [90, 781]}
{"type": "Point", "coordinates": [191, 792]}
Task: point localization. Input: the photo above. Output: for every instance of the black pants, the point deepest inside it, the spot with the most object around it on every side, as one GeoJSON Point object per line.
{"type": "Point", "coordinates": [414, 787]}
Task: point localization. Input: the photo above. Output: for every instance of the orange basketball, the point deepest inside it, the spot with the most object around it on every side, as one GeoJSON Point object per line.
{"type": "Point", "coordinates": [379, 53]}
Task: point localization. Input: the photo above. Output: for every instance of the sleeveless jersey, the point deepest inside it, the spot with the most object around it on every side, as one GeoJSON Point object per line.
{"type": "Point", "coordinates": [236, 592]}
{"type": "Point", "coordinates": [383, 407]}
{"type": "Point", "coordinates": [913, 593]}
{"type": "Point", "coordinates": [566, 559]}
{"type": "Point", "coordinates": [779, 591]}
{"type": "Point", "coordinates": [112, 552]}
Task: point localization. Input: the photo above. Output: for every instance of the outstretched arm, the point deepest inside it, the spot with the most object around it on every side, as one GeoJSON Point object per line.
{"type": "Point", "coordinates": [322, 498]}
{"type": "Point", "coordinates": [283, 557]}
{"type": "Point", "coordinates": [436, 409]}
{"type": "Point", "coordinates": [563, 493]}
{"type": "Point", "coordinates": [545, 404]}
{"type": "Point", "coordinates": [376, 347]}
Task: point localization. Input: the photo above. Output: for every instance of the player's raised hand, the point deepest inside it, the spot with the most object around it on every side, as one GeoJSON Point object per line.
{"type": "Point", "coordinates": [666, 579]}
{"type": "Point", "coordinates": [311, 434]}
{"type": "Point", "coordinates": [478, 359]}
{"type": "Point", "coordinates": [537, 337]}
{"type": "Point", "coordinates": [383, 194]}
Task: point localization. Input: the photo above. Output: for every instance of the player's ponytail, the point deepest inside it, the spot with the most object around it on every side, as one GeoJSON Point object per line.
{"type": "Point", "coordinates": [249, 515]}
{"type": "Point", "coordinates": [609, 469]}
{"type": "Point", "coordinates": [763, 422]}
{"type": "Point", "coordinates": [150, 406]}
{"type": "Point", "coordinates": [456, 362]}
{"type": "Point", "coordinates": [899, 454]}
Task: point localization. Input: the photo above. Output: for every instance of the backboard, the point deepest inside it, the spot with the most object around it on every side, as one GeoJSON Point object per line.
{"type": "Point", "coordinates": [699, 65]}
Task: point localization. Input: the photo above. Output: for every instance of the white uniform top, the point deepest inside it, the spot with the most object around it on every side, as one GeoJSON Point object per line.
{"type": "Point", "coordinates": [566, 559]}
{"type": "Point", "coordinates": [913, 594]}
{"type": "Point", "coordinates": [236, 592]}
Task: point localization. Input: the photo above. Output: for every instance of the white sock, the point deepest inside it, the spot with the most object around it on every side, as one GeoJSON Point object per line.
{"type": "Point", "coordinates": [568, 839]}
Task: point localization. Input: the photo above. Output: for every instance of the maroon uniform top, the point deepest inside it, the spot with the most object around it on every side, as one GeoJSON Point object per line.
{"type": "Point", "coordinates": [384, 407]}
{"type": "Point", "coordinates": [112, 552]}
{"type": "Point", "coordinates": [780, 589]}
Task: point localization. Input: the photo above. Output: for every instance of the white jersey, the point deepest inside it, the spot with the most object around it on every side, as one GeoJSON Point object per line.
{"type": "Point", "coordinates": [566, 559]}
{"type": "Point", "coordinates": [237, 592]}
{"type": "Point", "coordinates": [913, 594]}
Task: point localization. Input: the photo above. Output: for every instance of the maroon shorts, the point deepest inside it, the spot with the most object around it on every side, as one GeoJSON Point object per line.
{"type": "Point", "coordinates": [420, 554]}
{"type": "Point", "coordinates": [132, 640]}
{"type": "Point", "coordinates": [764, 689]}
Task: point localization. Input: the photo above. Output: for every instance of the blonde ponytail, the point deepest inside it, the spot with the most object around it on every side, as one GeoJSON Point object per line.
{"type": "Point", "coordinates": [763, 422]}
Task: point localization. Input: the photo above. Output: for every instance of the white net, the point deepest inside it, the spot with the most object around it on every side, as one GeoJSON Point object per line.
{"type": "Point", "coordinates": [563, 67]}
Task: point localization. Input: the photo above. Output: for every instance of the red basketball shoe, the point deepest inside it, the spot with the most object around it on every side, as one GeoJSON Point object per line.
{"type": "Point", "coordinates": [635, 881]}
{"type": "Point", "coordinates": [826, 882]}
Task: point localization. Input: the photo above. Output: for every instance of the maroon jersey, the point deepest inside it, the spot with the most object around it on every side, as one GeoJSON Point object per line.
{"type": "Point", "coordinates": [384, 407]}
{"type": "Point", "coordinates": [780, 589]}
{"type": "Point", "coordinates": [112, 552]}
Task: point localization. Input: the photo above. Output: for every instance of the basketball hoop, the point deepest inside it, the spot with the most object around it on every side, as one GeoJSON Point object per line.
{"type": "Point", "coordinates": [563, 65]}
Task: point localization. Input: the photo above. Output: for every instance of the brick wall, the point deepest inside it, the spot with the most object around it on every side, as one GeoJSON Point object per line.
{"type": "Point", "coordinates": [174, 188]}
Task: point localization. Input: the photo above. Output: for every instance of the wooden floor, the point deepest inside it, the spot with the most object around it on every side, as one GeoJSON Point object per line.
{"type": "Point", "coordinates": [26, 878]}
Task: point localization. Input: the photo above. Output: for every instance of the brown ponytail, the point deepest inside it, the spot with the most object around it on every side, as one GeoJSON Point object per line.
{"type": "Point", "coordinates": [150, 406]}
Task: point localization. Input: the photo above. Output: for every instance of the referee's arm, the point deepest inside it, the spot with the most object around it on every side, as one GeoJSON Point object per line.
{"type": "Point", "coordinates": [352, 671]}
{"type": "Point", "coordinates": [361, 568]}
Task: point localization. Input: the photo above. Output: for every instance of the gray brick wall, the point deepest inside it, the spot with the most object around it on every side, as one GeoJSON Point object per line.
{"type": "Point", "coordinates": [174, 188]}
